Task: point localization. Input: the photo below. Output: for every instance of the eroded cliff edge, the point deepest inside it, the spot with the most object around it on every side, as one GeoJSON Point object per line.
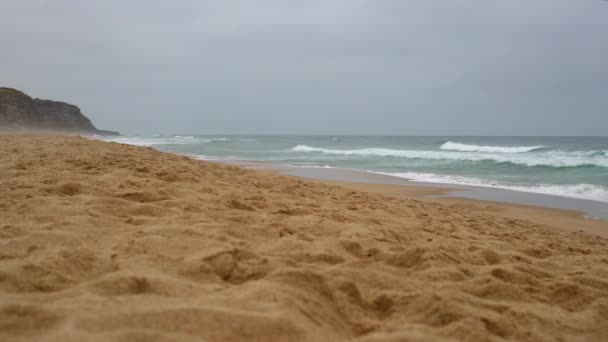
{"type": "Point", "coordinates": [20, 112]}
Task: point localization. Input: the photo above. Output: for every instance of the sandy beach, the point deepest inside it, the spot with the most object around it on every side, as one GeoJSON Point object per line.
{"type": "Point", "coordinates": [105, 241]}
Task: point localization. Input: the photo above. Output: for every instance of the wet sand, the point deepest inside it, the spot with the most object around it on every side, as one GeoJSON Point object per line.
{"type": "Point", "coordinates": [559, 218]}
{"type": "Point", "coordinates": [103, 241]}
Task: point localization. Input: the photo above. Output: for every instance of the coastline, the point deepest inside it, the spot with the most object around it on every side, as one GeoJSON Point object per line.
{"type": "Point", "coordinates": [567, 173]}
{"type": "Point", "coordinates": [563, 219]}
{"type": "Point", "coordinates": [566, 219]}
{"type": "Point", "coordinates": [105, 241]}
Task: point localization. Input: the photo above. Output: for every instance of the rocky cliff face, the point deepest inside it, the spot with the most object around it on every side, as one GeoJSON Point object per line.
{"type": "Point", "coordinates": [20, 112]}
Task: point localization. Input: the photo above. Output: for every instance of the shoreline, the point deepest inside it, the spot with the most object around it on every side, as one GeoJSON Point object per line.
{"type": "Point", "coordinates": [559, 177]}
{"type": "Point", "coordinates": [589, 209]}
{"type": "Point", "coordinates": [560, 212]}
{"type": "Point", "coordinates": [562, 219]}
{"type": "Point", "coordinates": [566, 219]}
{"type": "Point", "coordinates": [543, 190]}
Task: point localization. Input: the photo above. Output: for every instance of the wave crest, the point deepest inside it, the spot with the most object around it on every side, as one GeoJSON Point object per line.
{"type": "Point", "coordinates": [453, 146]}
{"type": "Point", "coordinates": [556, 159]}
{"type": "Point", "coordinates": [154, 140]}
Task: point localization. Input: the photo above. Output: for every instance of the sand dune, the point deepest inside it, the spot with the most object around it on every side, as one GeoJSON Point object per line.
{"type": "Point", "coordinates": [102, 241]}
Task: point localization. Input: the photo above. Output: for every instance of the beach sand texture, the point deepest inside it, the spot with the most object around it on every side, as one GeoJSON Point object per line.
{"type": "Point", "coordinates": [103, 241]}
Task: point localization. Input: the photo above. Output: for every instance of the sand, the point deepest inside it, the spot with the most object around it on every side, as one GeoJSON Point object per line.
{"type": "Point", "coordinates": [567, 220]}
{"type": "Point", "coordinates": [102, 241]}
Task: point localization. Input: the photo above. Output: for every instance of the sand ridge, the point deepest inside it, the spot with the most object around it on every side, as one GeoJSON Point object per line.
{"type": "Point", "coordinates": [103, 241]}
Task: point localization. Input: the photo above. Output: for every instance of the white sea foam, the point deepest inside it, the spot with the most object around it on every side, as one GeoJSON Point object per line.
{"type": "Point", "coordinates": [549, 158]}
{"type": "Point", "coordinates": [453, 146]}
{"type": "Point", "coordinates": [581, 191]}
{"type": "Point", "coordinates": [311, 166]}
{"type": "Point", "coordinates": [156, 140]}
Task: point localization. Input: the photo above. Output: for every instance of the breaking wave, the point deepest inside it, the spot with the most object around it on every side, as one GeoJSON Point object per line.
{"type": "Point", "coordinates": [452, 146]}
{"type": "Point", "coordinates": [155, 140]}
{"type": "Point", "coordinates": [549, 159]}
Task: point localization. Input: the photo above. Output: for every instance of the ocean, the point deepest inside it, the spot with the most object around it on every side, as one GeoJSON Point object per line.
{"type": "Point", "coordinates": [575, 167]}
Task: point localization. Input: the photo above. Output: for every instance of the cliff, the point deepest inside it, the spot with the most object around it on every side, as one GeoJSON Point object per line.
{"type": "Point", "coordinates": [19, 112]}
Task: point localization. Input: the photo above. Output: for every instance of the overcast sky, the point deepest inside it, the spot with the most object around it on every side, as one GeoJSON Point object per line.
{"type": "Point", "coordinates": [474, 67]}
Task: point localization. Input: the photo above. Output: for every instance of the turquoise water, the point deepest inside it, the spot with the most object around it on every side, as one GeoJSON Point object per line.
{"type": "Point", "coordinates": [574, 167]}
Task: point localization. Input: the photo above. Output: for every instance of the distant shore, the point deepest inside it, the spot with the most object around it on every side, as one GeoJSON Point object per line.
{"type": "Point", "coordinates": [107, 241]}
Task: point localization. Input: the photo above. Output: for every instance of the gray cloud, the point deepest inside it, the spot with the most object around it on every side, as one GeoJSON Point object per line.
{"type": "Point", "coordinates": [329, 67]}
